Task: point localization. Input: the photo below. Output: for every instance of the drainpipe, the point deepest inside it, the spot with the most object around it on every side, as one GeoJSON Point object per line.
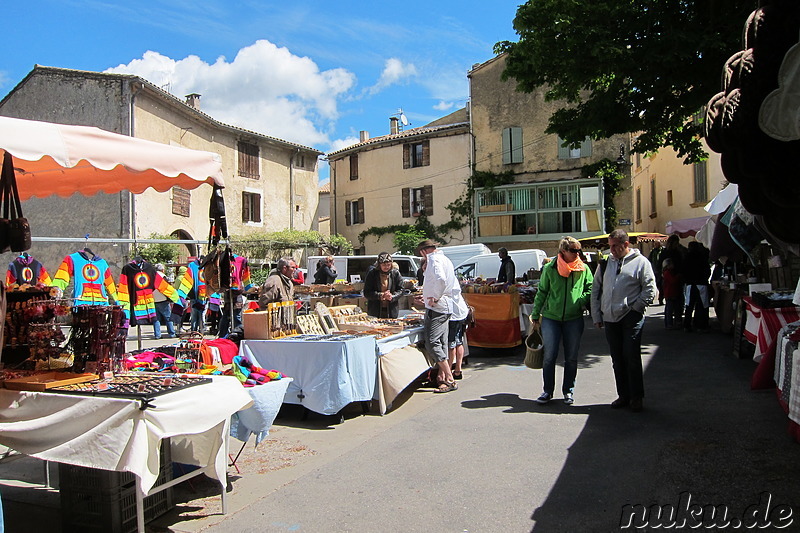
{"type": "Point", "coordinates": [291, 187]}
{"type": "Point", "coordinates": [332, 175]}
{"type": "Point", "coordinates": [131, 197]}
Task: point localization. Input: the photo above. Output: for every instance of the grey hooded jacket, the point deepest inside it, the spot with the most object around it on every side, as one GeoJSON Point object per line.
{"type": "Point", "coordinates": [621, 286]}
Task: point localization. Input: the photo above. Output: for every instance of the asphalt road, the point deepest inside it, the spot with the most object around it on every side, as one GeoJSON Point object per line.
{"type": "Point", "coordinates": [487, 458]}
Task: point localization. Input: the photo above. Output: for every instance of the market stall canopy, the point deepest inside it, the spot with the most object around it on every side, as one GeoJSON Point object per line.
{"type": "Point", "coordinates": [686, 227]}
{"type": "Point", "coordinates": [601, 241]}
{"type": "Point", "coordinates": [56, 159]}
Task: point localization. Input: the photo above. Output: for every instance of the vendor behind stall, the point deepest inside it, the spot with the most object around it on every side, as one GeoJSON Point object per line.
{"type": "Point", "coordinates": [278, 287]}
{"type": "Point", "coordinates": [383, 287]}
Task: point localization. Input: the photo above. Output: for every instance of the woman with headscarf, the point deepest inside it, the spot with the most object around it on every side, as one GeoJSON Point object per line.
{"type": "Point", "coordinates": [383, 287]}
{"type": "Point", "coordinates": [565, 289]}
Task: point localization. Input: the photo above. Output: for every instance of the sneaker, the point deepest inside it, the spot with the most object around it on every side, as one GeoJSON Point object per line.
{"type": "Point", "coordinates": [568, 398]}
{"type": "Point", "coordinates": [544, 398]}
{"type": "Point", "coordinates": [619, 402]}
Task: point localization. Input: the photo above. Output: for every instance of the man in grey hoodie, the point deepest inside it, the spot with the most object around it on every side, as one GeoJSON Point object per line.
{"type": "Point", "coordinates": [622, 290]}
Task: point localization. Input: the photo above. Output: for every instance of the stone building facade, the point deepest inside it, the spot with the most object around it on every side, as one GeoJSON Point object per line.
{"type": "Point", "coordinates": [395, 178]}
{"type": "Point", "coordinates": [271, 184]}
{"type": "Point", "coordinates": [548, 197]}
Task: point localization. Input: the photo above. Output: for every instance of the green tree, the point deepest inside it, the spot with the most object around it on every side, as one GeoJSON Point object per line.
{"type": "Point", "coordinates": [625, 66]}
{"type": "Point", "coordinates": [157, 252]}
{"type": "Point", "coordinates": [406, 241]}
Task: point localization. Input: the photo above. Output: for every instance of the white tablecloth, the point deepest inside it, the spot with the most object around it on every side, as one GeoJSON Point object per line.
{"type": "Point", "coordinates": [114, 434]}
{"type": "Point", "coordinates": [327, 375]}
{"type": "Point", "coordinates": [267, 400]}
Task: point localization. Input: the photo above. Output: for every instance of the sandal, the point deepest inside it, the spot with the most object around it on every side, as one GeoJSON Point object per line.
{"type": "Point", "coordinates": [446, 387]}
{"type": "Point", "coordinates": [458, 375]}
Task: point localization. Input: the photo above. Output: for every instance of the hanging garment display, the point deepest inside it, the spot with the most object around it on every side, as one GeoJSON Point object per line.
{"type": "Point", "coordinates": [240, 273]}
{"type": "Point", "coordinates": [136, 284]}
{"type": "Point", "coordinates": [26, 269]}
{"type": "Point", "coordinates": [92, 279]}
{"type": "Point", "coordinates": [192, 286]}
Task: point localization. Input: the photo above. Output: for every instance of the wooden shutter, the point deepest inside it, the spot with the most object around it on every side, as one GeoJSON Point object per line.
{"type": "Point", "coordinates": [426, 153]}
{"type": "Point", "coordinates": [245, 207]}
{"type": "Point", "coordinates": [516, 145]}
{"type": "Point", "coordinates": [586, 147]}
{"type": "Point", "coordinates": [354, 167]}
{"type": "Point", "coordinates": [248, 160]}
{"type": "Point", "coordinates": [181, 200]}
{"type": "Point", "coordinates": [255, 207]}
{"type": "Point", "coordinates": [361, 210]}
{"type": "Point", "coordinates": [405, 201]}
{"type": "Point", "coordinates": [563, 151]}
{"type": "Point", "coordinates": [406, 156]}
{"type": "Point", "coordinates": [347, 211]}
{"type": "Point", "coordinates": [507, 146]}
{"type": "Point", "coordinates": [427, 199]}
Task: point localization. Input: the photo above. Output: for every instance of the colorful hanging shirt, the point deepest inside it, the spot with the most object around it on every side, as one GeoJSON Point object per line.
{"type": "Point", "coordinates": [93, 283]}
{"type": "Point", "coordinates": [240, 274]}
{"type": "Point", "coordinates": [26, 269]}
{"type": "Point", "coordinates": [192, 286]}
{"type": "Point", "coordinates": [136, 285]}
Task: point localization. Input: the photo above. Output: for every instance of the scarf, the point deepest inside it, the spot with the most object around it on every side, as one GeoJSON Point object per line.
{"type": "Point", "coordinates": [565, 269]}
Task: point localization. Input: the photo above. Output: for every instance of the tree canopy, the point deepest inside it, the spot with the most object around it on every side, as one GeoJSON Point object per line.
{"type": "Point", "coordinates": [624, 66]}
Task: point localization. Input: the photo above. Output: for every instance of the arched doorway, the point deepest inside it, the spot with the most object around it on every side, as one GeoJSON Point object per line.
{"type": "Point", "coordinates": [185, 250]}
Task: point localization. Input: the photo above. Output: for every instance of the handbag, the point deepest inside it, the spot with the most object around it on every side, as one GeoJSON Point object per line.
{"type": "Point", "coordinates": [534, 349]}
{"type": "Point", "coordinates": [15, 231]}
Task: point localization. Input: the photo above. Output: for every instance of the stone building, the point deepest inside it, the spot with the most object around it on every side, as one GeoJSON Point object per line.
{"type": "Point", "coordinates": [548, 197]}
{"type": "Point", "coordinates": [271, 184]}
{"type": "Point", "coordinates": [395, 178]}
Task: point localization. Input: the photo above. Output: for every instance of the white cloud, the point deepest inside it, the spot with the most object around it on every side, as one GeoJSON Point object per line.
{"type": "Point", "coordinates": [394, 71]}
{"type": "Point", "coordinates": [444, 106]}
{"type": "Point", "coordinates": [265, 88]}
{"type": "Point", "coordinates": [338, 144]}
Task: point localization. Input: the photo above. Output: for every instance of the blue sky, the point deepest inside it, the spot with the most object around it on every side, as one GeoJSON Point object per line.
{"type": "Point", "coordinates": [314, 73]}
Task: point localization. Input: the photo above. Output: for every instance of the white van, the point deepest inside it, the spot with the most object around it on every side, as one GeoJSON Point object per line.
{"type": "Point", "coordinates": [349, 266]}
{"type": "Point", "coordinates": [459, 253]}
{"type": "Point", "coordinates": [488, 266]}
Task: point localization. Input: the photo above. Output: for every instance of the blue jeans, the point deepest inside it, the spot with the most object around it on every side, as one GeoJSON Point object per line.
{"type": "Point", "coordinates": [197, 322]}
{"type": "Point", "coordinates": [163, 314]}
{"type": "Point", "coordinates": [625, 343]}
{"type": "Point", "coordinates": [554, 334]}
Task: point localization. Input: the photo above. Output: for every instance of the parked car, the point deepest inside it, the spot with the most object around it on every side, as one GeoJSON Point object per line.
{"type": "Point", "coordinates": [488, 266]}
{"type": "Point", "coordinates": [459, 253]}
{"type": "Point", "coordinates": [348, 266]}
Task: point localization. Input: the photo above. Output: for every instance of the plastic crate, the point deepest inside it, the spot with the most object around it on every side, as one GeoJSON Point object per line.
{"type": "Point", "coordinates": [104, 501]}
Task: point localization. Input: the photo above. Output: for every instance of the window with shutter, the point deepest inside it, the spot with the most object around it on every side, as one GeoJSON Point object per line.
{"type": "Point", "coordinates": [251, 207]}
{"type": "Point", "coordinates": [512, 146]}
{"type": "Point", "coordinates": [638, 204]}
{"type": "Point", "coordinates": [348, 213]}
{"type": "Point", "coordinates": [406, 156]}
{"type": "Point", "coordinates": [567, 152]}
{"type": "Point", "coordinates": [700, 183]}
{"type": "Point", "coordinates": [653, 198]}
{"type": "Point", "coordinates": [181, 201]}
{"type": "Point", "coordinates": [354, 167]}
{"type": "Point", "coordinates": [405, 201]}
{"type": "Point", "coordinates": [417, 154]}
{"type": "Point", "coordinates": [248, 160]}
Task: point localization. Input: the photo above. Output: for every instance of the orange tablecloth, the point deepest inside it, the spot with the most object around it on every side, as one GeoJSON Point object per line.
{"type": "Point", "coordinates": [496, 320]}
{"type": "Point", "coordinates": [761, 328]}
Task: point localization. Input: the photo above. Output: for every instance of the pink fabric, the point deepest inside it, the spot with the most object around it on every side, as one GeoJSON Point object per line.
{"type": "Point", "coordinates": [227, 349]}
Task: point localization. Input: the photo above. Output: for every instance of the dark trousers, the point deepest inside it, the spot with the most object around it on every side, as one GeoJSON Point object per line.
{"type": "Point", "coordinates": [625, 343]}
{"type": "Point", "coordinates": [673, 312]}
{"type": "Point", "coordinates": [695, 307]}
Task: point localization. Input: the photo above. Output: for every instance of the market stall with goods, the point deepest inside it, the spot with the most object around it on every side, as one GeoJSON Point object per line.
{"type": "Point", "coordinates": [79, 408]}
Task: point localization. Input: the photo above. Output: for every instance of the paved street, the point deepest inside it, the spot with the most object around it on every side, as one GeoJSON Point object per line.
{"type": "Point", "coordinates": [486, 458]}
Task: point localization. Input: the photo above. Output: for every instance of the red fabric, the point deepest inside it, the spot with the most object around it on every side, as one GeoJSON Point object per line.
{"type": "Point", "coordinates": [671, 284]}
{"type": "Point", "coordinates": [496, 320]}
{"type": "Point", "coordinates": [794, 429]}
{"type": "Point", "coordinates": [227, 349]}
{"type": "Point", "coordinates": [298, 278]}
{"type": "Point", "coordinates": [761, 328]}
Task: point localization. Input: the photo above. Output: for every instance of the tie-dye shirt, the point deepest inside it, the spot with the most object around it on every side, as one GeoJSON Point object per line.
{"type": "Point", "coordinates": [136, 284]}
{"type": "Point", "coordinates": [91, 277]}
{"type": "Point", "coordinates": [26, 269]}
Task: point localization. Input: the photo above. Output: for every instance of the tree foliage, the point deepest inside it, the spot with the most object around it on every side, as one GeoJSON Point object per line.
{"type": "Point", "coordinates": [157, 252]}
{"type": "Point", "coordinates": [624, 66]}
{"type": "Point", "coordinates": [406, 242]}
{"type": "Point", "coordinates": [269, 247]}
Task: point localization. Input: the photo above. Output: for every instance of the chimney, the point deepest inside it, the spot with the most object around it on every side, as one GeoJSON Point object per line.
{"type": "Point", "coordinates": [394, 128]}
{"type": "Point", "coordinates": [193, 101]}
{"type": "Point", "coordinates": [363, 136]}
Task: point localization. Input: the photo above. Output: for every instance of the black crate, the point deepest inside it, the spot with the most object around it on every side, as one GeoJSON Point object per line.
{"type": "Point", "coordinates": [104, 501]}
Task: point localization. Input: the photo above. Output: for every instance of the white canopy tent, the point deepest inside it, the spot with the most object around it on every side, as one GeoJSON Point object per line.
{"type": "Point", "coordinates": [56, 159]}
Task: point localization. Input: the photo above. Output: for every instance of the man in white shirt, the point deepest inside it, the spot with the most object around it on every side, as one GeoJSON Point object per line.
{"type": "Point", "coordinates": [441, 295]}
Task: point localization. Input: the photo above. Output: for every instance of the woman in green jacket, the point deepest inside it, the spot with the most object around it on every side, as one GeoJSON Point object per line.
{"type": "Point", "coordinates": [565, 289]}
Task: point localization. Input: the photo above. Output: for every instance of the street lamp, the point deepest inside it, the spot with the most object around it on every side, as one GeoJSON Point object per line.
{"type": "Point", "coordinates": [621, 161]}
